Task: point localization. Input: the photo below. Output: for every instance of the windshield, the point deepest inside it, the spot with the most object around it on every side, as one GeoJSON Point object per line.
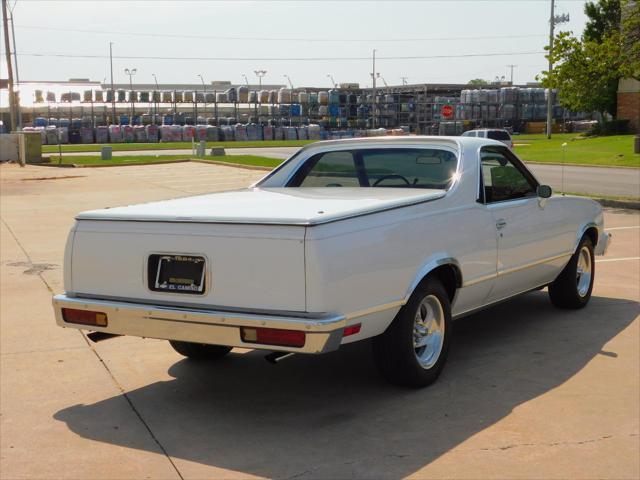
{"type": "Point", "coordinates": [383, 167]}
{"type": "Point", "coordinates": [498, 135]}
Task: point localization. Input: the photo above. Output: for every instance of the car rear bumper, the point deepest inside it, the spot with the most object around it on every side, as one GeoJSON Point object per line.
{"type": "Point", "coordinates": [603, 243]}
{"type": "Point", "coordinates": [322, 333]}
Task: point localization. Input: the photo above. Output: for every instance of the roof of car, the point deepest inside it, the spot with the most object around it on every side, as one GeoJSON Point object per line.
{"type": "Point", "coordinates": [489, 130]}
{"type": "Point", "coordinates": [405, 139]}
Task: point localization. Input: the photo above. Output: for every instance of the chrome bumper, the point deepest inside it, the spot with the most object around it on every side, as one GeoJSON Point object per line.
{"type": "Point", "coordinates": [603, 243]}
{"type": "Point", "coordinates": [323, 334]}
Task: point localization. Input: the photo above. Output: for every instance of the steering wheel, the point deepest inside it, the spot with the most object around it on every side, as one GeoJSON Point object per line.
{"type": "Point", "coordinates": [387, 177]}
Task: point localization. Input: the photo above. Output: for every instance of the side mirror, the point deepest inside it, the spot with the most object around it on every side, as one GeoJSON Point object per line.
{"type": "Point", "coordinates": [544, 191]}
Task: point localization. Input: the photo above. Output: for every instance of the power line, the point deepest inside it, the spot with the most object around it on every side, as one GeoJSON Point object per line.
{"type": "Point", "coordinates": [278, 59]}
{"type": "Point", "coordinates": [277, 39]}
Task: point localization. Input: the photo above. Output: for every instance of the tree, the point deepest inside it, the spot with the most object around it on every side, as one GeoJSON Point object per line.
{"type": "Point", "coordinates": [604, 17]}
{"type": "Point", "coordinates": [478, 82]}
{"type": "Point", "coordinates": [630, 29]}
{"type": "Point", "coordinates": [586, 73]}
{"type": "Point", "coordinates": [587, 70]}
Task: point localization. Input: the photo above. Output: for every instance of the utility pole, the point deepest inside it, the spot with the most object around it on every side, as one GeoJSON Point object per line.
{"type": "Point", "coordinates": [404, 80]}
{"type": "Point", "coordinates": [12, 99]}
{"type": "Point", "coordinates": [15, 61]}
{"type": "Point", "coordinates": [113, 92]}
{"type": "Point", "coordinates": [373, 91]}
{"type": "Point", "coordinates": [512, 67]}
{"type": "Point", "coordinates": [553, 20]}
{"type": "Point", "coordinates": [549, 99]}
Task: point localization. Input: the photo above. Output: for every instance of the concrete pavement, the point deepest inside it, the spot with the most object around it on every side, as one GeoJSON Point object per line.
{"type": "Point", "coordinates": [529, 391]}
{"type": "Point", "coordinates": [574, 179]}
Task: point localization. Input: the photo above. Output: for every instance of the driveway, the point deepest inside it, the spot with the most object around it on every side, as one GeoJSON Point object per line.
{"type": "Point", "coordinates": [529, 391]}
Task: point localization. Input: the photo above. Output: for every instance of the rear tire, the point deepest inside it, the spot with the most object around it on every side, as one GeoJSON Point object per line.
{"type": "Point", "coordinates": [199, 351]}
{"type": "Point", "coordinates": [413, 350]}
{"type": "Point", "coordinates": [572, 289]}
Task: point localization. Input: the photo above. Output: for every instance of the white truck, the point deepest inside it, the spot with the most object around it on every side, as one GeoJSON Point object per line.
{"type": "Point", "coordinates": [382, 238]}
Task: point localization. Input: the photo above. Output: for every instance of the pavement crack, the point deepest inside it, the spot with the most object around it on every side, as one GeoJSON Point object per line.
{"type": "Point", "coordinates": [551, 444]}
{"type": "Point", "coordinates": [35, 269]}
{"type": "Point", "coordinates": [131, 404]}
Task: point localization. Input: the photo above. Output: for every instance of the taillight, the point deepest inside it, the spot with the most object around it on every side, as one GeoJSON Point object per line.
{"type": "Point", "coordinates": [351, 330]}
{"type": "Point", "coordinates": [273, 336]}
{"type": "Point", "coordinates": [84, 317]}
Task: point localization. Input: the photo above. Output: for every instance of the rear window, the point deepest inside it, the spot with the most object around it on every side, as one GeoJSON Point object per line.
{"type": "Point", "coordinates": [383, 167]}
{"type": "Point", "coordinates": [498, 135]}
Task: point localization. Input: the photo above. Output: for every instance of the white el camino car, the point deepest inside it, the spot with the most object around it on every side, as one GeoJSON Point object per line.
{"type": "Point", "coordinates": [382, 238]}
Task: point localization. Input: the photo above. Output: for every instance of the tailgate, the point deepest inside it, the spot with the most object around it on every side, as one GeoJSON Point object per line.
{"type": "Point", "coordinates": [247, 266]}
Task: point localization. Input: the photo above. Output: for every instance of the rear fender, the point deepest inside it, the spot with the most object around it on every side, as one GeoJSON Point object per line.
{"type": "Point", "coordinates": [434, 261]}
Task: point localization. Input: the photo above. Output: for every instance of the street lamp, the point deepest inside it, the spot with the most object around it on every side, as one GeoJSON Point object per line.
{"type": "Point", "coordinates": [289, 79]}
{"type": "Point", "coordinates": [260, 74]}
{"type": "Point", "coordinates": [156, 98]}
{"type": "Point", "coordinates": [131, 73]}
{"type": "Point", "coordinates": [204, 94]}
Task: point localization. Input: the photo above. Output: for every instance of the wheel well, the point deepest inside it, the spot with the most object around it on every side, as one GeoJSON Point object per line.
{"type": "Point", "coordinates": [592, 233]}
{"type": "Point", "coordinates": [450, 277]}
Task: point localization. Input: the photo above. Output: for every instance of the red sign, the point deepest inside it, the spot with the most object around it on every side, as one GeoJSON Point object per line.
{"type": "Point", "coordinates": [447, 111]}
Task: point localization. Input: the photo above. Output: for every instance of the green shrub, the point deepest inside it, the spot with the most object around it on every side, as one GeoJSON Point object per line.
{"type": "Point", "coordinates": [614, 127]}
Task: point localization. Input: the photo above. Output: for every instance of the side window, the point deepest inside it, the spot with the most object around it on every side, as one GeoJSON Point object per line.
{"type": "Point", "coordinates": [332, 169]}
{"type": "Point", "coordinates": [503, 179]}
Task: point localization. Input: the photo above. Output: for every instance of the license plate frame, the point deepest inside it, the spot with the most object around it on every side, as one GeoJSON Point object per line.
{"type": "Point", "coordinates": [177, 273]}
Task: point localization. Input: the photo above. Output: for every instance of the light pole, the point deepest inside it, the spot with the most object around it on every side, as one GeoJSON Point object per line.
{"type": "Point", "coordinates": [131, 73]}
{"type": "Point", "coordinates": [373, 91]}
{"type": "Point", "coordinates": [511, 67]}
{"type": "Point", "coordinates": [260, 74]}
{"type": "Point", "coordinates": [113, 93]}
{"type": "Point", "coordinates": [333, 82]}
{"type": "Point", "coordinates": [289, 79]}
{"type": "Point", "coordinates": [156, 98]}
{"type": "Point", "coordinates": [204, 91]}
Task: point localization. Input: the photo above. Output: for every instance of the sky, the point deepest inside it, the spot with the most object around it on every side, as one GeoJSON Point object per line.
{"type": "Point", "coordinates": [221, 40]}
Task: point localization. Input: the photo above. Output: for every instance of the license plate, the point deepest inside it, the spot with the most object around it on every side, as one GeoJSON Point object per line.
{"type": "Point", "coordinates": [177, 273]}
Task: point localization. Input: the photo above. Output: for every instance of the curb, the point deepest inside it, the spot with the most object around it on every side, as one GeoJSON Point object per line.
{"type": "Point", "coordinates": [624, 204]}
{"type": "Point", "coordinates": [141, 164]}
{"type": "Point", "coordinates": [581, 165]}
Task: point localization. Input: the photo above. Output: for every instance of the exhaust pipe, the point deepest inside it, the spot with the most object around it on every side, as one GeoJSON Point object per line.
{"type": "Point", "coordinates": [96, 337]}
{"type": "Point", "coordinates": [276, 357]}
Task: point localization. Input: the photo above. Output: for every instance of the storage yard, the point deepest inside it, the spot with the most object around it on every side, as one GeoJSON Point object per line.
{"type": "Point", "coordinates": [250, 113]}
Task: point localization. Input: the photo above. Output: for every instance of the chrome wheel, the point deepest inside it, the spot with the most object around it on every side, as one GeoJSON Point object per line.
{"type": "Point", "coordinates": [583, 271]}
{"type": "Point", "coordinates": [428, 331]}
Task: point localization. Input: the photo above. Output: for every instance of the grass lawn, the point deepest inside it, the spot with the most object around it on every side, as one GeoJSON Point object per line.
{"type": "Point", "coordinates": [126, 147]}
{"type": "Point", "coordinates": [611, 151]}
{"type": "Point", "coordinates": [93, 160]}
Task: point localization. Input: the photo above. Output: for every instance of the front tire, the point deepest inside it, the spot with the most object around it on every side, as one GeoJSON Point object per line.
{"type": "Point", "coordinates": [413, 350]}
{"type": "Point", "coordinates": [572, 289]}
{"type": "Point", "coordinates": [199, 351]}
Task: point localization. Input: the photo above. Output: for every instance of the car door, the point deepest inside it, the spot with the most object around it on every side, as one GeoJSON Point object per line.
{"type": "Point", "coordinates": [527, 228]}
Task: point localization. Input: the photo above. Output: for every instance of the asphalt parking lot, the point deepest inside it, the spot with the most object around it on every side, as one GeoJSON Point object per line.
{"type": "Point", "coordinates": [529, 391]}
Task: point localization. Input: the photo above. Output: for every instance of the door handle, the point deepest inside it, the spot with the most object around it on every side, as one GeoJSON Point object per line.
{"type": "Point", "coordinates": [500, 224]}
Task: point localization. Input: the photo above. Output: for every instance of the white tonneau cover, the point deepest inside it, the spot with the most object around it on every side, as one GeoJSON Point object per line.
{"type": "Point", "coordinates": [286, 206]}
